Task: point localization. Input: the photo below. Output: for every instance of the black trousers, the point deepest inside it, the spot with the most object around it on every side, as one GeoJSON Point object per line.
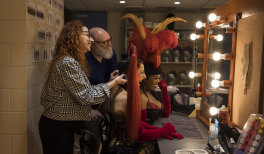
{"type": "Point", "coordinates": [57, 137]}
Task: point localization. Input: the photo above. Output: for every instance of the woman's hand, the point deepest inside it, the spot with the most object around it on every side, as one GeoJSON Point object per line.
{"type": "Point", "coordinates": [162, 84]}
{"type": "Point", "coordinates": [118, 80]}
{"type": "Point", "coordinates": [166, 99]}
{"type": "Point", "coordinates": [121, 79]}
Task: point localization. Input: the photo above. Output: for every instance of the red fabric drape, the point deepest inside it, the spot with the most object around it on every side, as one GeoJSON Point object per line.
{"type": "Point", "coordinates": [133, 97]}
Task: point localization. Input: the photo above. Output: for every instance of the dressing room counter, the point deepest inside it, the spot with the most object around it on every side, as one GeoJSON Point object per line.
{"type": "Point", "coordinates": [193, 130]}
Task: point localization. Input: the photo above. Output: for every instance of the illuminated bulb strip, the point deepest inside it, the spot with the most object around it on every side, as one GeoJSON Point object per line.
{"type": "Point", "coordinates": [192, 75]}
{"type": "Point", "coordinates": [199, 24]}
{"type": "Point", "coordinates": [212, 17]}
{"type": "Point", "coordinates": [193, 36]}
{"type": "Point", "coordinates": [213, 111]}
{"type": "Point", "coordinates": [215, 83]}
{"type": "Point", "coordinates": [217, 56]}
{"type": "Point", "coordinates": [219, 37]}
{"type": "Point", "coordinates": [216, 75]}
{"type": "Point", "coordinates": [224, 83]}
{"type": "Point", "coordinates": [224, 25]}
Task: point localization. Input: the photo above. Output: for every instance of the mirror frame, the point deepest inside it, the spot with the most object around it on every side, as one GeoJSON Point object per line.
{"type": "Point", "coordinates": [204, 112]}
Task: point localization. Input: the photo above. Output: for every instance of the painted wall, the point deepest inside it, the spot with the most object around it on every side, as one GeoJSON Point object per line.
{"type": "Point", "coordinates": [91, 18]}
{"type": "Point", "coordinates": [13, 78]}
{"type": "Point", "coordinates": [250, 31]}
{"type": "Point", "coordinates": [22, 79]}
{"type": "Point", "coordinates": [52, 24]}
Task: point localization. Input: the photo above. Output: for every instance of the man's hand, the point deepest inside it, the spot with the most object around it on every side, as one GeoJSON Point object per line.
{"type": "Point", "coordinates": [114, 74]}
{"type": "Point", "coordinates": [95, 114]}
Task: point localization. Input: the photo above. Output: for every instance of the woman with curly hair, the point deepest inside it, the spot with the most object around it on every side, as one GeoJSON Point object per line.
{"type": "Point", "coordinates": [67, 95]}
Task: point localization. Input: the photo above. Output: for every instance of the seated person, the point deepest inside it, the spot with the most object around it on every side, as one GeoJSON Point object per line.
{"type": "Point", "coordinates": [149, 44]}
{"type": "Point", "coordinates": [118, 138]}
{"type": "Point", "coordinates": [151, 108]}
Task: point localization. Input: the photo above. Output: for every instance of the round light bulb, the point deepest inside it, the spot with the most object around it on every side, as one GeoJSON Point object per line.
{"type": "Point", "coordinates": [191, 74]}
{"type": "Point", "coordinates": [217, 75]}
{"type": "Point", "coordinates": [213, 111]}
{"type": "Point", "coordinates": [216, 56]}
{"type": "Point", "coordinates": [215, 83]}
{"type": "Point", "coordinates": [219, 37]}
{"type": "Point", "coordinates": [193, 36]}
{"type": "Point", "coordinates": [212, 17]}
{"type": "Point", "coordinates": [199, 24]}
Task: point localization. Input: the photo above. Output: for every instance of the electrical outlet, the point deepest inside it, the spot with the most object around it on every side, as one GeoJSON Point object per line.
{"type": "Point", "coordinates": [35, 54]}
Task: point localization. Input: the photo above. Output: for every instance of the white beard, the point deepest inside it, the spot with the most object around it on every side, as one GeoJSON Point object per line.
{"type": "Point", "coordinates": [106, 53]}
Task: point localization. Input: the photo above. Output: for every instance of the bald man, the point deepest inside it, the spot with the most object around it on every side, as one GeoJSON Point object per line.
{"type": "Point", "coordinates": [102, 58]}
{"type": "Point", "coordinates": [102, 62]}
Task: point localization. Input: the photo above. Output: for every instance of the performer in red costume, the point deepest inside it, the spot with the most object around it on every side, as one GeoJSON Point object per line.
{"type": "Point", "coordinates": [151, 107]}
{"type": "Point", "coordinates": [148, 46]}
{"type": "Point", "coordinates": [119, 139]}
{"type": "Point", "coordinates": [127, 132]}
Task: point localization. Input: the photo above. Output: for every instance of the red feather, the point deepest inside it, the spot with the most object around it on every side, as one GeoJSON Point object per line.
{"type": "Point", "coordinates": [149, 50]}
{"type": "Point", "coordinates": [168, 39]}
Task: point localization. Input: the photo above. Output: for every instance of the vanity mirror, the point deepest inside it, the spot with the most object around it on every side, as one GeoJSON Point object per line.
{"type": "Point", "coordinates": [218, 64]}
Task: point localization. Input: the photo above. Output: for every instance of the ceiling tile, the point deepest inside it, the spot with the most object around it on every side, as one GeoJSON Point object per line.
{"type": "Point", "coordinates": [107, 5]}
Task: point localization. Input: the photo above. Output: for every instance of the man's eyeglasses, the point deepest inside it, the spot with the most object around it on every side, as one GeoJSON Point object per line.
{"type": "Point", "coordinates": [106, 42]}
{"type": "Point", "coordinates": [87, 33]}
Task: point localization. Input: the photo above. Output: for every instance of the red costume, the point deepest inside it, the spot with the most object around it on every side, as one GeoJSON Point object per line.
{"type": "Point", "coordinates": [148, 46]}
{"type": "Point", "coordinates": [165, 102]}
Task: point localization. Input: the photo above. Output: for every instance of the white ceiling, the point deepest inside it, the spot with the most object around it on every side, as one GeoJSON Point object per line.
{"type": "Point", "coordinates": [143, 5]}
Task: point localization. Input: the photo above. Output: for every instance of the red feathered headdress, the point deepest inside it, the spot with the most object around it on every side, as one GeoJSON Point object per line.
{"type": "Point", "coordinates": [150, 44]}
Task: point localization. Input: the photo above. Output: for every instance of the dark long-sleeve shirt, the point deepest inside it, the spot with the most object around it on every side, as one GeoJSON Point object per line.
{"type": "Point", "coordinates": [100, 71]}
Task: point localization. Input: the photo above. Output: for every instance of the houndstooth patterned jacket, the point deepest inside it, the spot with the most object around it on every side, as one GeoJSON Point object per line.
{"type": "Point", "coordinates": [68, 95]}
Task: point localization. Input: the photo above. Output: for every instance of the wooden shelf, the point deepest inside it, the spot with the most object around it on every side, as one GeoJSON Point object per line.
{"type": "Point", "coordinates": [174, 88]}
{"type": "Point", "coordinates": [218, 91]}
{"type": "Point", "coordinates": [183, 86]}
{"type": "Point", "coordinates": [177, 63]}
{"type": "Point", "coordinates": [170, 88]}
